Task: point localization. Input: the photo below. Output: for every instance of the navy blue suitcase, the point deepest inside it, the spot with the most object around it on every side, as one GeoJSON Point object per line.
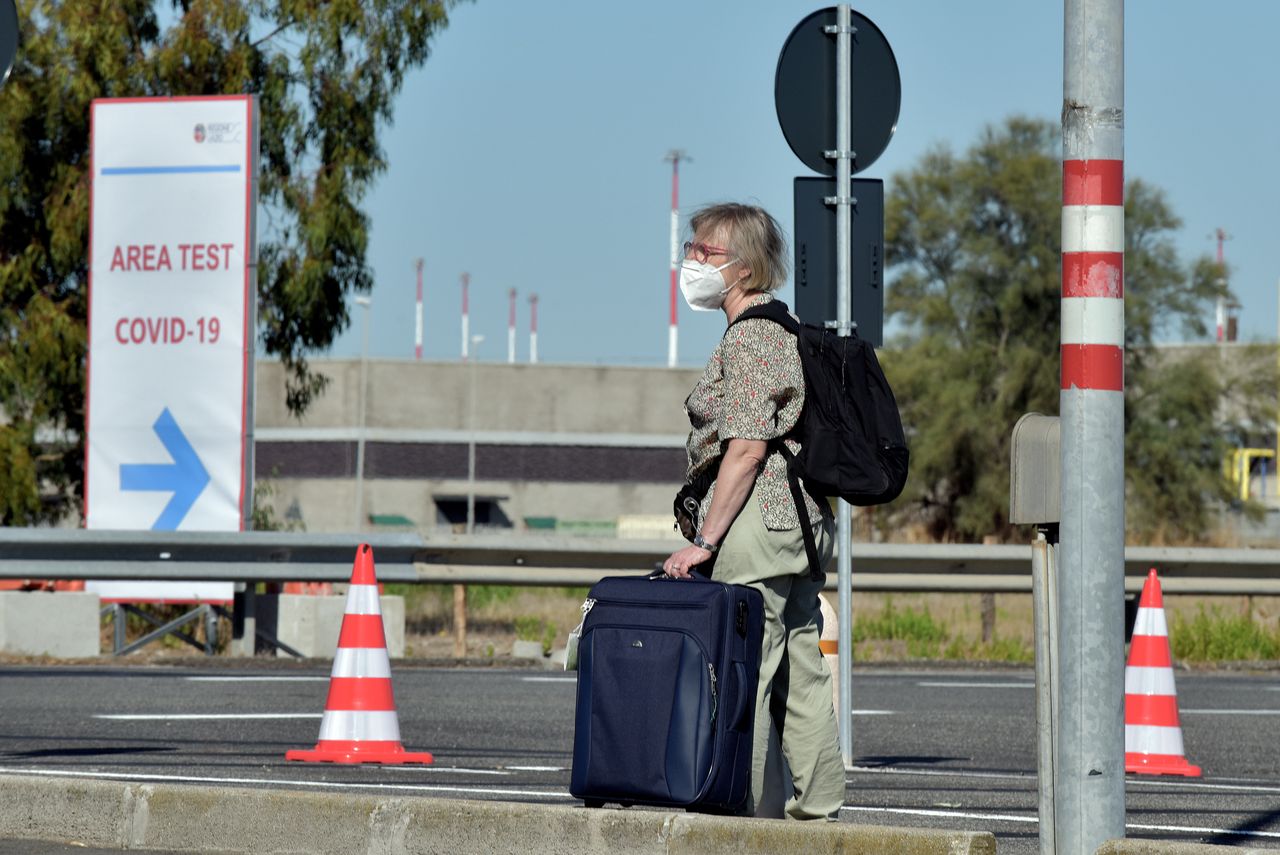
{"type": "Point", "coordinates": [667, 674]}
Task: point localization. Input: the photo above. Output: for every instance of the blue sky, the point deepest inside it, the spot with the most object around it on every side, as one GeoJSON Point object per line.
{"type": "Point", "coordinates": [529, 149]}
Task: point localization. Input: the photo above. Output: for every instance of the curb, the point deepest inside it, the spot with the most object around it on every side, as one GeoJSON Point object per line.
{"type": "Point", "coordinates": [1169, 847]}
{"type": "Point", "coordinates": [243, 820]}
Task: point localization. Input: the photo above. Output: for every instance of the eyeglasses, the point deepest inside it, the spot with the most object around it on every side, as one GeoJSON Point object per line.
{"type": "Point", "coordinates": [701, 251]}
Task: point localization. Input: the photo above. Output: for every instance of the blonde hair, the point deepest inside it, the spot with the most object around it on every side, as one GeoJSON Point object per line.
{"type": "Point", "coordinates": [755, 238]}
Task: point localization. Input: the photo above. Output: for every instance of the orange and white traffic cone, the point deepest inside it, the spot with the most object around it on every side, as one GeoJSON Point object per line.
{"type": "Point", "coordinates": [1152, 732]}
{"type": "Point", "coordinates": [360, 723]}
{"type": "Point", "coordinates": [829, 644]}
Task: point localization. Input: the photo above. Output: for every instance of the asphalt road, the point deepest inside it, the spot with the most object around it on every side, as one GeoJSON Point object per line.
{"type": "Point", "coordinates": [933, 748]}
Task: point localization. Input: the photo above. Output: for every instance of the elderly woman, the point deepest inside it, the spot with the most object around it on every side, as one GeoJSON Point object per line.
{"type": "Point", "coordinates": [747, 400]}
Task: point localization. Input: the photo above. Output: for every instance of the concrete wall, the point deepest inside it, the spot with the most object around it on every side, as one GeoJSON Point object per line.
{"type": "Point", "coordinates": [526, 398]}
{"type": "Point", "coordinates": [577, 443]}
{"type": "Point", "coordinates": [40, 623]}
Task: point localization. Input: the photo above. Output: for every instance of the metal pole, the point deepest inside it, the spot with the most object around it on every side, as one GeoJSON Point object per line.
{"type": "Point", "coordinates": [511, 328]}
{"type": "Point", "coordinates": [533, 329]}
{"type": "Point", "coordinates": [364, 302]}
{"type": "Point", "coordinates": [1089, 791]}
{"type": "Point", "coordinates": [417, 327]}
{"type": "Point", "coordinates": [844, 522]}
{"type": "Point", "coordinates": [675, 156]}
{"type": "Point", "coordinates": [471, 436]}
{"type": "Point", "coordinates": [1043, 617]}
{"type": "Point", "coordinates": [466, 314]}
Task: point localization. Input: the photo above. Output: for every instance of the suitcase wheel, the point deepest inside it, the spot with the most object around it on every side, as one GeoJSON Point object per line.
{"type": "Point", "coordinates": [593, 803]}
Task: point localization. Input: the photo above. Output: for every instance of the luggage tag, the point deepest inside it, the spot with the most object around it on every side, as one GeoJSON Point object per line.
{"type": "Point", "coordinates": [571, 644]}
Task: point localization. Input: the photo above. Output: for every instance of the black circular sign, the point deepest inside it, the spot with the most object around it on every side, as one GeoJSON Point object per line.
{"type": "Point", "coordinates": [8, 38]}
{"type": "Point", "coordinates": [804, 91]}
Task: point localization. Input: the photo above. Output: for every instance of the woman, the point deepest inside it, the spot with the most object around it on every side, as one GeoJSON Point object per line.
{"type": "Point", "coordinates": [748, 398]}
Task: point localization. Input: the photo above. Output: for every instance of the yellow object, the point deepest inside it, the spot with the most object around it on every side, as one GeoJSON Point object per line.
{"type": "Point", "coordinates": [1239, 466]}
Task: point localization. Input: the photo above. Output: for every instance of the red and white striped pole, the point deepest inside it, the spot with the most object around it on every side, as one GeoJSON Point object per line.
{"type": "Point", "coordinates": [675, 156]}
{"type": "Point", "coordinates": [1088, 795]}
{"type": "Point", "coordinates": [417, 327]}
{"type": "Point", "coordinates": [466, 315]}
{"type": "Point", "coordinates": [511, 329]}
{"type": "Point", "coordinates": [533, 329]}
{"type": "Point", "coordinates": [1222, 299]}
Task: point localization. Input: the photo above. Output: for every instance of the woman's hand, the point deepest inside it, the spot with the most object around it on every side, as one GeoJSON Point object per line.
{"type": "Point", "coordinates": [683, 561]}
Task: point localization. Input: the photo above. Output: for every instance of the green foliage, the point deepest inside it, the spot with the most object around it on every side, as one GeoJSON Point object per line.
{"type": "Point", "coordinates": [264, 516]}
{"type": "Point", "coordinates": [1216, 637]}
{"type": "Point", "coordinates": [975, 244]}
{"type": "Point", "coordinates": [923, 637]}
{"type": "Point", "coordinates": [529, 628]}
{"type": "Point", "coordinates": [480, 596]}
{"type": "Point", "coordinates": [326, 75]}
{"type": "Point", "coordinates": [893, 624]}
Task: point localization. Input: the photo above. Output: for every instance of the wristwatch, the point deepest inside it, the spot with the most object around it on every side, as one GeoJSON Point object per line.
{"type": "Point", "coordinates": [699, 541]}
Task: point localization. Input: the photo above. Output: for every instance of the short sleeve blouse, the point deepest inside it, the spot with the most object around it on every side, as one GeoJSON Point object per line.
{"type": "Point", "coordinates": [752, 388]}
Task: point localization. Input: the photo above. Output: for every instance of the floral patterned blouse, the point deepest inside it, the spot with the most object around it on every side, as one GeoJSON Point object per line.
{"type": "Point", "coordinates": [752, 388]}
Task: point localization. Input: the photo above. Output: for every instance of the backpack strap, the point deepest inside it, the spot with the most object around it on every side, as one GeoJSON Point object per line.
{"type": "Point", "coordinates": [776, 311]}
{"type": "Point", "coordinates": [802, 511]}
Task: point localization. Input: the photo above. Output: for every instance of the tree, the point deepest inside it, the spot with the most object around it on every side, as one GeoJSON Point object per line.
{"type": "Point", "coordinates": [975, 244]}
{"type": "Point", "coordinates": [326, 75]}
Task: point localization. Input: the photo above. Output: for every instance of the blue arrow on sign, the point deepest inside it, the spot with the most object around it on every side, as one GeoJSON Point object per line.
{"type": "Point", "coordinates": [185, 477]}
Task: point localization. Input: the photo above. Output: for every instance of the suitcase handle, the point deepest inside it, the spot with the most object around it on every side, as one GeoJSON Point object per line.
{"type": "Point", "coordinates": [696, 574]}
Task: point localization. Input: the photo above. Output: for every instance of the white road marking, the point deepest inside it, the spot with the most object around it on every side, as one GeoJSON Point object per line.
{"type": "Point", "coordinates": [538, 768]}
{"type": "Point", "coordinates": [1009, 817]}
{"type": "Point", "coordinates": [450, 769]}
{"type": "Point", "coordinates": [205, 716]}
{"type": "Point", "coordinates": [872, 712]}
{"type": "Point", "coordinates": [550, 679]}
{"type": "Point", "coordinates": [1030, 777]}
{"type": "Point", "coordinates": [961, 685]}
{"type": "Point", "coordinates": [1231, 712]}
{"type": "Point", "coordinates": [277, 782]}
{"type": "Point", "coordinates": [257, 679]}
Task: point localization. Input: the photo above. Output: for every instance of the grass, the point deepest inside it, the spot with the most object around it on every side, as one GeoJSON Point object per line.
{"type": "Point", "coordinates": [913, 632]}
{"type": "Point", "coordinates": [1212, 635]}
{"type": "Point", "coordinates": [887, 627]}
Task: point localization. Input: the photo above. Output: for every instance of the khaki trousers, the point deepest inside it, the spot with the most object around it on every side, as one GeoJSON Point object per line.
{"type": "Point", "coordinates": [795, 683]}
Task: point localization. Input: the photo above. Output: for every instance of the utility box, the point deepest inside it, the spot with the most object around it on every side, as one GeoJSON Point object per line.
{"type": "Point", "coordinates": [1035, 471]}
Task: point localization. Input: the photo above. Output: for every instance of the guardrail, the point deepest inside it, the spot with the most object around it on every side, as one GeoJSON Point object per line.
{"type": "Point", "coordinates": [548, 560]}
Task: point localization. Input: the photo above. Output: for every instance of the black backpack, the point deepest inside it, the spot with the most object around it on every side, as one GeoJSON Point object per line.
{"type": "Point", "coordinates": [850, 432]}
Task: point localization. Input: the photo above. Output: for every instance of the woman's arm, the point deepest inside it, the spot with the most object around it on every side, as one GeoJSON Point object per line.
{"type": "Point", "coordinates": [739, 467]}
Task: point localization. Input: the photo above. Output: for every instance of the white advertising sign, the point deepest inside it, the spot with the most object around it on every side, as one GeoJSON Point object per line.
{"type": "Point", "coordinates": [169, 413]}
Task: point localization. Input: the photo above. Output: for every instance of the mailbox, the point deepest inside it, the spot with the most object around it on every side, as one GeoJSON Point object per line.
{"type": "Point", "coordinates": [1035, 470]}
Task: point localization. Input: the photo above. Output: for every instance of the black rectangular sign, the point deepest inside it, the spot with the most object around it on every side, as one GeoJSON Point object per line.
{"type": "Point", "coordinates": [815, 254]}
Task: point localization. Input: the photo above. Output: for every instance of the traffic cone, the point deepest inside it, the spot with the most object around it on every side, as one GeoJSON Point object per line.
{"type": "Point", "coordinates": [360, 723]}
{"type": "Point", "coordinates": [1152, 732]}
{"type": "Point", "coordinates": [829, 644]}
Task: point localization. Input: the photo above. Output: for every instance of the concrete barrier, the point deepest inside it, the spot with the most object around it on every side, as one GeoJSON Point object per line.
{"type": "Point", "coordinates": [178, 818]}
{"type": "Point", "coordinates": [47, 623]}
{"type": "Point", "coordinates": [1170, 847]}
{"type": "Point", "coordinates": [310, 624]}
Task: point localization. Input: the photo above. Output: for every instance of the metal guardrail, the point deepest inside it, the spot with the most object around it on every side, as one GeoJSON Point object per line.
{"type": "Point", "coordinates": [549, 560]}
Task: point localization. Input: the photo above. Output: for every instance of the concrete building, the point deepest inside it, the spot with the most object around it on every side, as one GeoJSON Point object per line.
{"type": "Point", "coordinates": [570, 446]}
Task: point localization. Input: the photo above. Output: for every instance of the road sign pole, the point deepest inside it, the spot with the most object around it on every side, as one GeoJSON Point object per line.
{"type": "Point", "coordinates": [844, 528]}
{"type": "Point", "coordinates": [1089, 790]}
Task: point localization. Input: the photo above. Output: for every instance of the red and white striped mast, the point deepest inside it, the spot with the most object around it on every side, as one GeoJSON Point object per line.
{"type": "Point", "coordinates": [675, 156]}
{"type": "Point", "coordinates": [1222, 236]}
{"type": "Point", "coordinates": [417, 327]}
{"type": "Point", "coordinates": [533, 329]}
{"type": "Point", "coordinates": [1088, 794]}
{"type": "Point", "coordinates": [511, 329]}
{"type": "Point", "coordinates": [466, 315]}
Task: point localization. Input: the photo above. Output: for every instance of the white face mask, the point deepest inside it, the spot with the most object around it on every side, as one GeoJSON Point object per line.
{"type": "Point", "coordinates": [703, 285]}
